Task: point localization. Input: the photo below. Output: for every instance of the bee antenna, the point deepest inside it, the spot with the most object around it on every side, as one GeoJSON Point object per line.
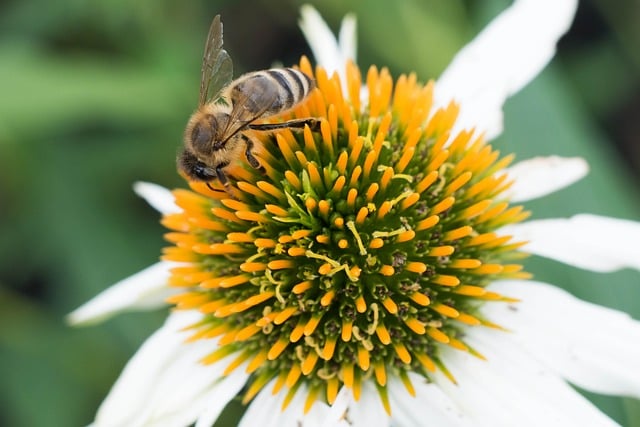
{"type": "Point", "coordinates": [210, 187]}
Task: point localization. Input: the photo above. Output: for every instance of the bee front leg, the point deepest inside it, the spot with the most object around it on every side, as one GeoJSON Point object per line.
{"type": "Point", "coordinates": [222, 177]}
{"type": "Point", "coordinates": [249, 155]}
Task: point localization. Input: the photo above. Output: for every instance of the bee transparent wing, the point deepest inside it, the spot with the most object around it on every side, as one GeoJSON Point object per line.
{"type": "Point", "coordinates": [245, 111]}
{"type": "Point", "coordinates": [217, 67]}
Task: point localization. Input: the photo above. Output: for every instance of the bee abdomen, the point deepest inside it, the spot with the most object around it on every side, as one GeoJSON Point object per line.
{"type": "Point", "coordinates": [293, 86]}
{"type": "Point", "coordinates": [273, 91]}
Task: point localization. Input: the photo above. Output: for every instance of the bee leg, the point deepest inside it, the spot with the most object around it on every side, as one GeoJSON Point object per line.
{"type": "Point", "coordinates": [249, 155]}
{"type": "Point", "coordinates": [222, 177]}
{"type": "Point", "coordinates": [314, 125]}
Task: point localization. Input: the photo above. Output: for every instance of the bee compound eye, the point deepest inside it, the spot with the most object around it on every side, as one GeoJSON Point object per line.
{"type": "Point", "coordinates": [201, 136]}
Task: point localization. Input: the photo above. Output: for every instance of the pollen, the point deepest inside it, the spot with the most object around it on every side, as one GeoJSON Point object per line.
{"type": "Point", "coordinates": [364, 250]}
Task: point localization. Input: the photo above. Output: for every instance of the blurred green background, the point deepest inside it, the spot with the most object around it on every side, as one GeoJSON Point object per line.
{"type": "Point", "coordinates": [94, 96]}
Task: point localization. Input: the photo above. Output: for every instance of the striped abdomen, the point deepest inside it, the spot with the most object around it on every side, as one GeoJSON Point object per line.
{"type": "Point", "coordinates": [269, 92]}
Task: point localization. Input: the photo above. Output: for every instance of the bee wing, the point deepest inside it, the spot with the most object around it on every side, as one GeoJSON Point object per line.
{"type": "Point", "coordinates": [217, 67]}
{"type": "Point", "coordinates": [244, 111]}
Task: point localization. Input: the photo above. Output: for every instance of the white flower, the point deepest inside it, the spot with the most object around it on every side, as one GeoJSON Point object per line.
{"type": "Point", "coordinates": [522, 377]}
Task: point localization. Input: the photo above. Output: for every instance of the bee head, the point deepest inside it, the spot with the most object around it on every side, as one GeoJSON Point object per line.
{"type": "Point", "coordinates": [189, 164]}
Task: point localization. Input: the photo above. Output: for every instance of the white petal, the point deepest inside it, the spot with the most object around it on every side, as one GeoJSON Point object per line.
{"type": "Point", "coordinates": [347, 39]}
{"type": "Point", "coordinates": [590, 242]}
{"type": "Point", "coordinates": [503, 58]}
{"type": "Point", "coordinates": [130, 392]}
{"type": "Point", "coordinates": [164, 384]}
{"type": "Point", "coordinates": [430, 403]}
{"type": "Point", "coordinates": [160, 198]}
{"type": "Point", "coordinates": [145, 290]}
{"type": "Point", "coordinates": [221, 394]}
{"type": "Point", "coordinates": [326, 50]}
{"type": "Point", "coordinates": [266, 409]}
{"type": "Point", "coordinates": [594, 347]}
{"type": "Point", "coordinates": [540, 176]}
{"type": "Point", "coordinates": [263, 409]}
{"type": "Point", "coordinates": [338, 416]}
{"type": "Point", "coordinates": [512, 388]}
{"type": "Point", "coordinates": [368, 411]}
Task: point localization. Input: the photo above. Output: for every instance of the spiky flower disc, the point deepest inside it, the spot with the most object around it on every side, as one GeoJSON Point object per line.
{"type": "Point", "coordinates": [363, 250]}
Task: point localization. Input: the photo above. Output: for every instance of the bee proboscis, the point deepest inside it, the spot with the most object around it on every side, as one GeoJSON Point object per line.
{"type": "Point", "coordinates": [214, 136]}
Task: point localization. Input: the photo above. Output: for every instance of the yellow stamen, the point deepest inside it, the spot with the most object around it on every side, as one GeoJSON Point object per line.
{"type": "Point", "coordinates": [385, 207]}
{"type": "Point", "coordinates": [488, 269]}
{"type": "Point", "coordinates": [371, 192]}
{"type": "Point", "coordinates": [237, 362]}
{"type": "Point", "coordinates": [309, 363]}
{"type": "Point", "coordinates": [376, 243]}
{"type": "Point", "coordinates": [443, 205]}
{"type": "Point", "coordinates": [323, 239]}
{"type": "Point", "coordinates": [465, 263]}
{"type": "Point", "coordinates": [329, 348]}
{"type": "Point", "coordinates": [476, 209]}
{"type": "Point", "coordinates": [293, 376]}
{"type": "Point", "coordinates": [405, 236]}
{"type": "Point", "coordinates": [251, 216]}
{"type": "Point", "coordinates": [446, 280]}
{"type": "Point", "coordinates": [457, 183]}
{"type": "Point", "coordinates": [438, 335]}
{"type": "Point", "coordinates": [296, 251]}
{"type": "Point", "coordinates": [265, 243]}
{"type": "Point", "coordinates": [411, 200]}
{"type": "Point", "coordinates": [427, 223]}
{"type": "Point", "coordinates": [277, 348]}
{"type": "Point", "coordinates": [457, 233]}
{"type": "Point", "coordinates": [257, 361]}
{"type": "Point", "coordinates": [284, 315]}
{"type": "Point", "coordinates": [269, 189]}
{"type": "Point", "coordinates": [416, 326]}
{"type": "Point", "coordinates": [339, 185]}
{"type": "Point", "coordinates": [363, 358]}
{"type": "Point", "coordinates": [347, 375]}
{"type": "Point", "coordinates": [351, 197]}
{"type": "Point", "coordinates": [420, 298]}
{"type": "Point", "coordinates": [407, 383]}
{"type": "Point", "coordinates": [387, 270]}
{"type": "Point", "coordinates": [383, 334]}
{"type": "Point", "coordinates": [247, 332]}
{"type": "Point", "coordinates": [390, 305]}
{"type": "Point", "coordinates": [293, 179]}
{"type": "Point", "coordinates": [441, 251]}
{"type": "Point", "coordinates": [312, 324]}
{"type": "Point", "coordinates": [380, 373]}
{"type": "Point", "coordinates": [280, 264]}
{"type": "Point", "coordinates": [362, 215]}
{"type": "Point", "coordinates": [333, 385]}
{"type": "Point", "coordinates": [445, 310]}
{"type": "Point", "coordinates": [355, 176]}
{"type": "Point", "coordinates": [255, 387]}
{"type": "Point", "coordinates": [311, 398]}
{"type": "Point", "coordinates": [252, 267]}
{"type": "Point", "coordinates": [402, 352]}
{"type": "Point", "coordinates": [347, 329]}
{"type": "Point", "coordinates": [427, 181]}
{"type": "Point", "coordinates": [302, 287]}
{"type": "Point", "coordinates": [327, 298]}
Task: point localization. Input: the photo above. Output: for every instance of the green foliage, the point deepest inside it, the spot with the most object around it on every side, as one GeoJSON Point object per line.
{"type": "Point", "coordinates": [95, 96]}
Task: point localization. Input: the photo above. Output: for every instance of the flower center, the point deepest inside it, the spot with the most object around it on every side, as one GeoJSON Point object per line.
{"type": "Point", "coordinates": [363, 250]}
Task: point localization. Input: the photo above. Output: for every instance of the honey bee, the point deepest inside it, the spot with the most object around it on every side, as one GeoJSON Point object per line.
{"type": "Point", "coordinates": [215, 134]}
